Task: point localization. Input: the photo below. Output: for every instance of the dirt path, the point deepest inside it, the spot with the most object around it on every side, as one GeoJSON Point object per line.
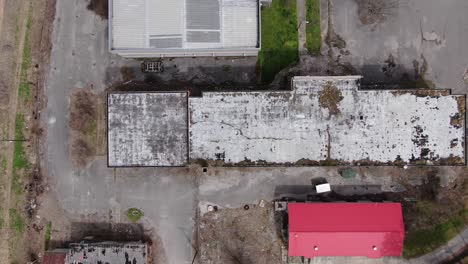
{"type": "Point", "coordinates": [10, 131]}
{"type": "Point", "coordinates": [24, 48]}
{"type": "Point", "coordinates": [2, 3]}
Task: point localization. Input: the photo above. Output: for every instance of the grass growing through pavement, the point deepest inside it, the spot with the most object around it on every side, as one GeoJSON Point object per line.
{"type": "Point", "coordinates": [422, 241]}
{"type": "Point", "coordinates": [134, 214]}
{"type": "Point", "coordinates": [314, 38]}
{"type": "Point", "coordinates": [47, 235]}
{"type": "Point", "coordinates": [279, 38]}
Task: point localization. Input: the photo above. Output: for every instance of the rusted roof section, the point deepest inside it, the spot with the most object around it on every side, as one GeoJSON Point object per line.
{"type": "Point", "coordinates": [51, 257]}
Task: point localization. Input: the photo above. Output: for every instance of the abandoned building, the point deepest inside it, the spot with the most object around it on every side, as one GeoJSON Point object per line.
{"type": "Point", "coordinates": [322, 120]}
{"type": "Point", "coordinates": [184, 28]}
{"type": "Point", "coordinates": [373, 230]}
{"type": "Point", "coordinates": [147, 129]}
{"type": "Point", "coordinates": [105, 252]}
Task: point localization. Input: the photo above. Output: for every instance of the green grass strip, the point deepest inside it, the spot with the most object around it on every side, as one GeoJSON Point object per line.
{"type": "Point", "coordinates": [16, 222]}
{"type": "Point", "coordinates": [313, 32]}
{"type": "Point", "coordinates": [20, 160]}
{"type": "Point", "coordinates": [279, 38]}
{"type": "Point", "coordinates": [47, 235]}
{"type": "Point", "coordinates": [24, 90]}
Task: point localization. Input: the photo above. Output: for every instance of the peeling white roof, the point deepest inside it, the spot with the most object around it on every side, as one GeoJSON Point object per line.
{"type": "Point", "coordinates": [287, 127]}
{"type": "Point", "coordinates": [147, 129]}
{"type": "Point", "coordinates": [107, 252]}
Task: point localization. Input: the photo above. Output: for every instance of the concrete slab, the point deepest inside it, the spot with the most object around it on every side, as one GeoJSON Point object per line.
{"type": "Point", "coordinates": [327, 119]}
{"type": "Point", "coordinates": [147, 129]}
{"type": "Point", "coordinates": [80, 58]}
{"type": "Point", "coordinates": [426, 36]}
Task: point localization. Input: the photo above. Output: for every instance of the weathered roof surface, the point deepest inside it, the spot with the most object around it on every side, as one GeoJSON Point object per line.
{"type": "Point", "coordinates": [328, 118]}
{"type": "Point", "coordinates": [52, 257]}
{"type": "Point", "coordinates": [184, 24]}
{"type": "Point", "coordinates": [345, 229]}
{"type": "Point", "coordinates": [147, 129]}
{"type": "Point", "coordinates": [108, 252]}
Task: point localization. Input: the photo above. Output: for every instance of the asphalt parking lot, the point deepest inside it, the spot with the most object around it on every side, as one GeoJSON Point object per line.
{"type": "Point", "coordinates": [170, 197]}
{"type": "Point", "coordinates": [424, 36]}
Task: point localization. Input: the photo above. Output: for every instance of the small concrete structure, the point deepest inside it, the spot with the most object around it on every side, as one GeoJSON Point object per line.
{"type": "Point", "coordinates": [103, 252]}
{"type": "Point", "coordinates": [147, 129]}
{"type": "Point", "coordinates": [107, 252]}
{"type": "Point", "coordinates": [328, 120]}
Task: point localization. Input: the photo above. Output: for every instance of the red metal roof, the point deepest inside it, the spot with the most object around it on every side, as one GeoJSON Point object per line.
{"type": "Point", "coordinates": [345, 229]}
{"type": "Point", "coordinates": [51, 257]}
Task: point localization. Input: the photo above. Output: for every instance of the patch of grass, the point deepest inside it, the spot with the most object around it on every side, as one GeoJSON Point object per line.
{"type": "Point", "coordinates": [422, 241]}
{"type": "Point", "coordinates": [279, 38]}
{"type": "Point", "coordinates": [227, 68]}
{"type": "Point", "coordinates": [47, 235]}
{"type": "Point", "coordinates": [92, 133]}
{"type": "Point", "coordinates": [20, 160]}
{"type": "Point", "coordinates": [24, 91]}
{"type": "Point", "coordinates": [313, 33]}
{"type": "Point", "coordinates": [134, 214]}
{"type": "Point", "coordinates": [16, 222]}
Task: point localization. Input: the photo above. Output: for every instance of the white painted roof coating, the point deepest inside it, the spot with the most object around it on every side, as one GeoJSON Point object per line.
{"type": "Point", "coordinates": [147, 129]}
{"type": "Point", "coordinates": [286, 127]}
{"type": "Point", "coordinates": [184, 24]}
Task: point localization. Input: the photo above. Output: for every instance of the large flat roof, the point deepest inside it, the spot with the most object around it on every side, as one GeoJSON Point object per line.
{"type": "Point", "coordinates": [323, 120]}
{"type": "Point", "coordinates": [328, 119]}
{"type": "Point", "coordinates": [345, 229]}
{"type": "Point", "coordinates": [184, 24]}
{"type": "Point", "coordinates": [147, 129]}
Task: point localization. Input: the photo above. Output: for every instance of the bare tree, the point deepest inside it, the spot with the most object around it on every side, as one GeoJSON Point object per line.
{"type": "Point", "coordinates": [81, 152]}
{"type": "Point", "coordinates": [82, 110]}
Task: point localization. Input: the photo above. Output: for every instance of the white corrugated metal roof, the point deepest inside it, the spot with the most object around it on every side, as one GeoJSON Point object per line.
{"type": "Point", "coordinates": [127, 21]}
{"type": "Point", "coordinates": [184, 24]}
{"type": "Point", "coordinates": [240, 22]}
